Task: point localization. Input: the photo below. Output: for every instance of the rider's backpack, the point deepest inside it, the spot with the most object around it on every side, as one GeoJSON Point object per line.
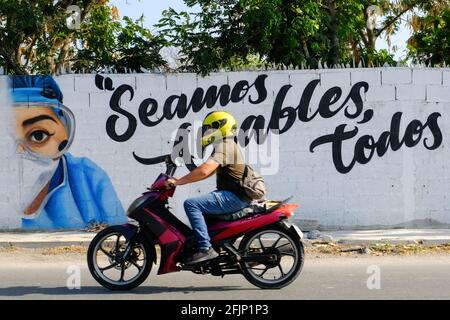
{"type": "Point", "coordinates": [253, 184]}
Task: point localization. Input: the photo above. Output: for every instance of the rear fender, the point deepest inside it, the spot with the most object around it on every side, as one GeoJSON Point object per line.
{"type": "Point", "coordinates": [293, 229]}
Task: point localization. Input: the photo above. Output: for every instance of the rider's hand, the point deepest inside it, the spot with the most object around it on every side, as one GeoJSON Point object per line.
{"type": "Point", "coordinates": [171, 183]}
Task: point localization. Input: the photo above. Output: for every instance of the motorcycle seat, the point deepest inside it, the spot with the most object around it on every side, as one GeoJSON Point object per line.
{"type": "Point", "coordinates": [263, 207]}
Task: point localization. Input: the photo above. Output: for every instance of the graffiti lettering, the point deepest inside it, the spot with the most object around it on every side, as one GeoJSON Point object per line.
{"type": "Point", "coordinates": [329, 98]}
{"type": "Point", "coordinates": [114, 104]}
{"type": "Point", "coordinates": [411, 138]}
{"type": "Point", "coordinates": [281, 120]}
{"type": "Point", "coordinates": [176, 105]}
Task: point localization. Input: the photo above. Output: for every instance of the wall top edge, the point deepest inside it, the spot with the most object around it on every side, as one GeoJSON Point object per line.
{"type": "Point", "coordinates": [306, 71]}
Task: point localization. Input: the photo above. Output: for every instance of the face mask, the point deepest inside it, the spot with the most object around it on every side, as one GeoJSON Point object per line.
{"type": "Point", "coordinates": [29, 170]}
{"type": "Point", "coordinates": [34, 176]}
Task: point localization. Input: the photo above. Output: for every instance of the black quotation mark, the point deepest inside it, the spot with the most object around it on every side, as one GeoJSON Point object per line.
{"type": "Point", "coordinates": [104, 83]}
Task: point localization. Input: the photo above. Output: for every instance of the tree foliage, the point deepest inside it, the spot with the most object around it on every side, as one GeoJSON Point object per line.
{"type": "Point", "coordinates": [430, 42]}
{"type": "Point", "coordinates": [35, 38]}
{"type": "Point", "coordinates": [283, 32]}
{"type": "Point", "coordinates": [223, 34]}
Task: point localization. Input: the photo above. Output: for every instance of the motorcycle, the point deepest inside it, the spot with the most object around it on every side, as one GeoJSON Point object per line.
{"type": "Point", "coordinates": [258, 242]}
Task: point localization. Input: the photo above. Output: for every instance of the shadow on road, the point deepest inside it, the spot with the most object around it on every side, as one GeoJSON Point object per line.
{"type": "Point", "coordinates": [33, 290]}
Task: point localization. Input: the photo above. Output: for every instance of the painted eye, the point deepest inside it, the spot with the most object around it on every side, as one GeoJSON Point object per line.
{"type": "Point", "coordinates": [38, 136]}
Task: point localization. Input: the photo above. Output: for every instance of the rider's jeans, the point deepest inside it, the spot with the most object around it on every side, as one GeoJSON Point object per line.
{"type": "Point", "coordinates": [216, 202]}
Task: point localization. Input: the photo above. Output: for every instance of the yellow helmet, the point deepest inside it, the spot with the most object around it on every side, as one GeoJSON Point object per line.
{"type": "Point", "coordinates": [216, 126]}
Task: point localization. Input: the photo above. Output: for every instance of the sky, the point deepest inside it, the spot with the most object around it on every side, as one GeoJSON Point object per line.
{"type": "Point", "coordinates": [152, 10]}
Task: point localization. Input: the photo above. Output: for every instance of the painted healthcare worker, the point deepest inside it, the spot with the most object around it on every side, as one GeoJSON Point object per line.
{"type": "Point", "coordinates": [57, 190]}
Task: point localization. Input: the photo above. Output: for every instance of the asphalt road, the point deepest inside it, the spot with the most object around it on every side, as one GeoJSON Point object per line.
{"type": "Point", "coordinates": [25, 275]}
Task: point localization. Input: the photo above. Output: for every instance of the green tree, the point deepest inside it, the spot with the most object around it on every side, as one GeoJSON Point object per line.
{"type": "Point", "coordinates": [226, 31]}
{"type": "Point", "coordinates": [35, 38]}
{"type": "Point", "coordinates": [430, 42]}
{"type": "Point", "coordinates": [283, 32]}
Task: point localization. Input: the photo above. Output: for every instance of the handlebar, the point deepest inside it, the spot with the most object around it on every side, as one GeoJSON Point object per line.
{"type": "Point", "coordinates": [160, 183]}
{"type": "Point", "coordinates": [171, 167]}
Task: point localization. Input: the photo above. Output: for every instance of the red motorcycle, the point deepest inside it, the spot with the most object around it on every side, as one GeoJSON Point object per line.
{"type": "Point", "coordinates": [257, 242]}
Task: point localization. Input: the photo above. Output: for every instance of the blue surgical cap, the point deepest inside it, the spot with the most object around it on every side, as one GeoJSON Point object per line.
{"type": "Point", "coordinates": [35, 89]}
{"type": "Point", "coordinates": [31, 91]}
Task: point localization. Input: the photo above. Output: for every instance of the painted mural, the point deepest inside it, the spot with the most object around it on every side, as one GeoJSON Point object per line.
{"type": "Point", "coordinates": [57, 189]}
{"type": "Point", "coordinates": [355, 152]}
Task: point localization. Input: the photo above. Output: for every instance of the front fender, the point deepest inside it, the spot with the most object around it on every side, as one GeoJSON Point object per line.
{"type": "Point", "coordinates": [132, 232]}
{"type": "Point", "coordinates": [129, 231]}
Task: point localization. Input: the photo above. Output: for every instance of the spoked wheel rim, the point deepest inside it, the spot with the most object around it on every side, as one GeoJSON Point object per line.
{"type": "Point", "coordinates": [109, 263]}
{"type": "Point", "coordinates": [278, 244]}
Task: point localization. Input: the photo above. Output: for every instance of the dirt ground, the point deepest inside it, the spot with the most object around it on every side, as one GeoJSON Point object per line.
{"type": "Point", "coordinates": [313, 250]}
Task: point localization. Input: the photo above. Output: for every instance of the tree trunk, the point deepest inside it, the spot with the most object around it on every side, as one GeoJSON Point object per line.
{"type": "Point", "coordinates": [11, 62]}
{"type": "Point", "coordinates": [62, 59]}
{"type": "Point", "coordinates": [335, 56]}
{"type": "Point", "coordinates": [371, 40]}
{"type": "Point", "coordinates": [305, 47]}
{"type": "Point", "coordinates": [355, 53]}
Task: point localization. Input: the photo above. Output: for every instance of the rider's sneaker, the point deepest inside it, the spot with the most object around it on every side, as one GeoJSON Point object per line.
{"type": "Point", "coordinates": [203, 255]}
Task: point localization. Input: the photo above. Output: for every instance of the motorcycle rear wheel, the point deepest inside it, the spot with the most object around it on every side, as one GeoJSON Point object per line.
{"type": "Point", "coordinates": [108, 248]}
{"type": "Point", "coordinates": [274, 240]}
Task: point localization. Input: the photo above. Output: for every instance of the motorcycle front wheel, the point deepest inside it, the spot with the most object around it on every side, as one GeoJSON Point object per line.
{"type": "Point", "coordinates": [118, 264]}
{"type": "Point", "coordinates": [288, 253]}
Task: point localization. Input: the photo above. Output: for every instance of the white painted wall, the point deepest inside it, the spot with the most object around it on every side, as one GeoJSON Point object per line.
{"type": "Point", "coordinates": [408, 184]}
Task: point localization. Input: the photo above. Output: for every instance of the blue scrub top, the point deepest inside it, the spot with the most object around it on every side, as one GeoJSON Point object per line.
{"type": "Point", "coordinates": [80, 194]}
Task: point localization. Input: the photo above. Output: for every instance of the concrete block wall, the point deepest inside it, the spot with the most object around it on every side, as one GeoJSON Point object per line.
{"type": "Point", "coordinates": [402, 185]}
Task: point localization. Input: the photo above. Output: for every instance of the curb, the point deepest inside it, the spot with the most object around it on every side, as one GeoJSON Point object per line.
{"type": "Point", "coordinates": [425, 242]}
{"type": "Point", "coordinates": [307, 242]}
{"type": "Point", "coordinates": [43, 244]}
{"type": "Point", "coordinates": [45, 240]}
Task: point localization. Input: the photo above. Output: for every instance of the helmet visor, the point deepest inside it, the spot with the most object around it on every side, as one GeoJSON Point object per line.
{"type": "Point", "coordinates": [207, 129]}
{"type": "Point", "coordinates": [216, 125]}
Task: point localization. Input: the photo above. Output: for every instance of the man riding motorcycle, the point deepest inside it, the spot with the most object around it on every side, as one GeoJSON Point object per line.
{"type": "Point", "coordinates": [219, 129]}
